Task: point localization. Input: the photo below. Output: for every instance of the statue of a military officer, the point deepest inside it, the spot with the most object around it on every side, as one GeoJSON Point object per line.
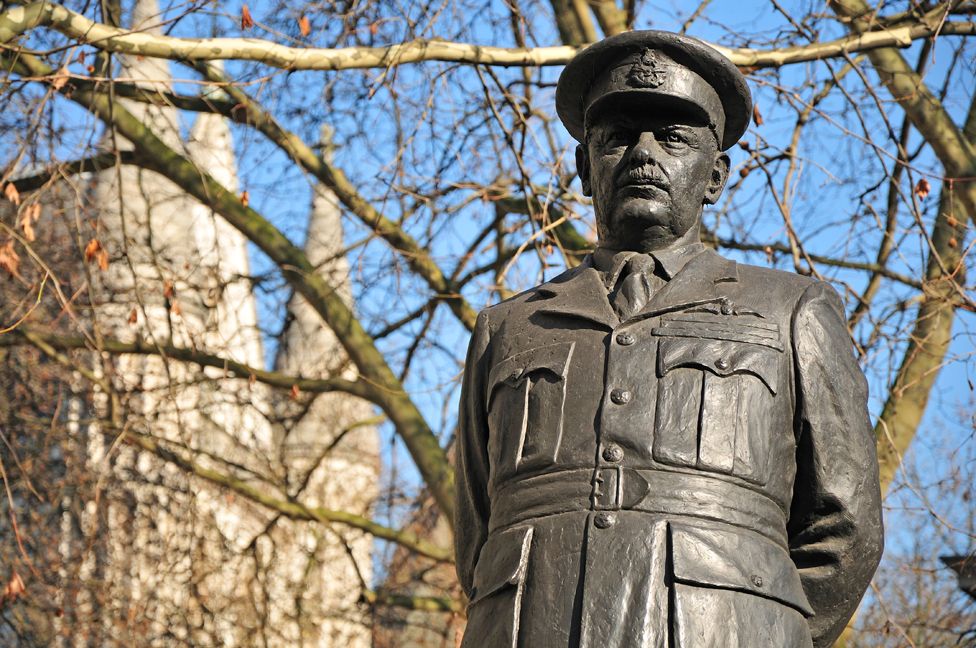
{"type": "Point", "coordinates": [663, 447]}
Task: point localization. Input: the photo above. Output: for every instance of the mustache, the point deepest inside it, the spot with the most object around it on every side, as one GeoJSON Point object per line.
{"type": "Point", "coordinates": [641, 177]}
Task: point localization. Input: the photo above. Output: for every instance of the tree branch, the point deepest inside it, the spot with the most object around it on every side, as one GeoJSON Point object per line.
{"type": "Point", "coordinates": [28, 335]}
{"type": "Point", "coordinates": [86, 165]}
{"type": "Point", "coordinates": [18, 20]}
{"type": "Point", "coordinates": [956, 150]}
{"type": "Point", "coordinates": [573, 22]}
{"type": "Point", "coordinates": [732, 244]}
{"type": "Point", "coordinates": [931, 335]}
{"type": "Point", "coordinates": [418, 259]}
{"type": "Point", "coordinates": [290, 509]}
{"type": "Point", "coordinates": [612, 19]}
{"type": "Point", "coordinates": [413, 602]}
{"type": "Point", "coordinates": [155, 155]}
{"type": "Point", "coordinates": [928, 115]}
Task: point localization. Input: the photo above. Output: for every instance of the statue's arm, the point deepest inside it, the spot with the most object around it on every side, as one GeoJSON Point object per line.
{"type": "Point", "coordinates": [835, 527]}
{"type": "Point", "coordinates": [471, 521]}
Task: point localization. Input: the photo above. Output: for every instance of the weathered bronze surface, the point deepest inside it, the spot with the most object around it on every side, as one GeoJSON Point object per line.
{"type": "Point", "coordinates": [663, 447]}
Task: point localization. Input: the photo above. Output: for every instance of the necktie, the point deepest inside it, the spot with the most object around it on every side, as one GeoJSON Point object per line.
{"type": "Point", "coordinates": [634, 289]}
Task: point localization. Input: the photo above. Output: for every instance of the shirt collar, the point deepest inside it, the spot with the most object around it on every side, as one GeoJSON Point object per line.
{"type": "Point", "coordinates": [670, 261]}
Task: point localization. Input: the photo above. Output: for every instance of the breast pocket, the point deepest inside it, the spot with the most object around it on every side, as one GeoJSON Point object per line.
{"type": "Point", "coordinates": [715, 404]}
{"type": "Point", "coordinates": [526, 397]}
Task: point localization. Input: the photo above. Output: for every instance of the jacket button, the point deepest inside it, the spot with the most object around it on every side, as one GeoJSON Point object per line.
{"type": "Point", "coordinates": [626, 339]}
{"type": "Point", "coordinates": [722, 364]}
{"type": "Point", "coordinates": [757, 580]}
{"type": "Point", "coordinates": [620, 396]}
{"type": "Point", "coordinates": [613, 453]}
{"type": "Point", "coordinates": [604, 520]}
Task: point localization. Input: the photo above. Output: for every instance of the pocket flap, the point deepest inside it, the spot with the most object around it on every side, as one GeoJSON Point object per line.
{"type": "Point", "coordinates": [502, 561]}
{"type": "Point", "coordinates": [721, 327]}
{"type": "Point", "coordinates": [553, 358]}
{"type": "Point", "coordinates": [743, 561]}
{"type": "Point", "coordinates": [721, 357]}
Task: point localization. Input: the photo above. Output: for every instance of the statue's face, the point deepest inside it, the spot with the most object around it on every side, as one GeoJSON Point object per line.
{"type": "Point", "coordinates": [649, 173]}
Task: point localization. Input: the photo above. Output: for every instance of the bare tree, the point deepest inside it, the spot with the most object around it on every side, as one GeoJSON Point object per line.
{"type": "Point", "coordinates": [243, 252]}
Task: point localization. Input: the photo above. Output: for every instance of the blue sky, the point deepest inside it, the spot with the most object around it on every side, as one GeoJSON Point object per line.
{"type": "Point", "coordinates": [828, 204]}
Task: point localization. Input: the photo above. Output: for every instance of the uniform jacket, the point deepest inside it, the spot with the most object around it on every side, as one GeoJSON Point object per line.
{"type": "Point", "coordinates": [702, 474]}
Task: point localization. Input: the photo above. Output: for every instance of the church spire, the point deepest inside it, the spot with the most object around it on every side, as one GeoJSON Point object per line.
{"type": "Point", "coordinates": [151, 73]}
{"type": "Point", "coordinates": [223, 249]}
{"type": "Point", "coordinates": [331, 448]}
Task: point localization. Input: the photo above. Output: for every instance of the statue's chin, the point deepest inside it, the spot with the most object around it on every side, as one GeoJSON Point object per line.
{"type": "Point", "coordinates": [640, 213]}
{"type": "Point", "coordinates": [640, 227]}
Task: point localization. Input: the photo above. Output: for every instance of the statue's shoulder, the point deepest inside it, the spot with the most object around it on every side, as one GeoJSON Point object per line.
{"type": "Point", "coordinates": [526, 302]}
{"type": "Point", "coordinates": [783, 291]}
{"type": "Point", "coordinates": [783, 282]}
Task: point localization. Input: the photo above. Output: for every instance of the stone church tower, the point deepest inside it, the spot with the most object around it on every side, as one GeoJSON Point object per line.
{"type": "Point", "coordinates": [332, 443]}
{"type": "Point", "coordinates": [170, 559]}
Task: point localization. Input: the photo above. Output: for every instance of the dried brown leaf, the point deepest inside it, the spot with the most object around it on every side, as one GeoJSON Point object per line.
{"type": "Point", "coordinates": [245, 198]}
{"type": "Point", "coordinates": [133, 316]}
{"type": "Point", "coordinates": [175, 309]}
{"type": "Point", "coordinates": [922, 188]}
{"type": "Point", "coordinates": [168, 289]}
{"type": "Point", "coordinates": [28, 218]}
{"type": "Point", "coordinates": [10, 193]}
{"type": "Point", "coordinates": [14, 589]}
{"type": "Point", "coordinates": [92, 249]}
{"type": "Point", "coordinates": [293, 394]}
{"type": "Point", "coordinates": [756, 115]}
{"type": "Point", "coordinates": [29, 234]}
{"type": "Point", "coordinates": [33, 211]}
{"type": "Point", "coordinates": [9, 259]}
{"type": "Point", "coordinates": [246, 20]}
{"type": "Point", "coordinates": [60, 78]}
{"type": "Point", "coordinates": [102, 259]}
{"type": "Point", "coordinates": [304, 26]}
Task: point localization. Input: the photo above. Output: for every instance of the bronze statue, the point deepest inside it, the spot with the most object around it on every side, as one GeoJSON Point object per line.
{"type": "Point", "coordinates": [663, 447]}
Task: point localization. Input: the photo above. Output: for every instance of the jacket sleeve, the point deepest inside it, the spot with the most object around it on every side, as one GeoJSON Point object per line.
{"type": "Point", "coordinates": [472, 506]}
{"type": "Point", "coordinates": [835, 526]}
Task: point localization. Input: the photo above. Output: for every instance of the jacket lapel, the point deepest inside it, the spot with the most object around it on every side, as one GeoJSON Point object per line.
{"type": "Point", "coordinates": [703, 280]}
{"type": "Point", "coordinates": [578, 293]}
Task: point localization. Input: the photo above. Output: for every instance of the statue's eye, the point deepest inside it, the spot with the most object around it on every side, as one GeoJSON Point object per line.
{"type": "Point", "coordinates": [673, 137]}
{"type": "Point", "coordinates": [617, 137]}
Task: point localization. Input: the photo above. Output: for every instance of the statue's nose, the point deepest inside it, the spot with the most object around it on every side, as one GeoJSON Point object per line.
{"type": "Point", "coordinates": [645, 149]}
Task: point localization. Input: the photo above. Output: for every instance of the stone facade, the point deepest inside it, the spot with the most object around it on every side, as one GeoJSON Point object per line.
{"type": "Point", "coordinates": [152, 556]}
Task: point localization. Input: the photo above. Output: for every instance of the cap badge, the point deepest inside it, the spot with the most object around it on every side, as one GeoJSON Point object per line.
{"type": "Point", "coordinates": [648, 70]}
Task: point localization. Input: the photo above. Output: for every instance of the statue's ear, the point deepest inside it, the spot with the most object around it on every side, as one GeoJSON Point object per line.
{"type": "Point", "coordinates": [583, 169]}
{"type": "Point", "coordinates": [716, 184]}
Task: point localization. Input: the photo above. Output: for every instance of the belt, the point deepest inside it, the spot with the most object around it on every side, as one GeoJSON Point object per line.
{"type": "Point", "coordinates": [656, 491]}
